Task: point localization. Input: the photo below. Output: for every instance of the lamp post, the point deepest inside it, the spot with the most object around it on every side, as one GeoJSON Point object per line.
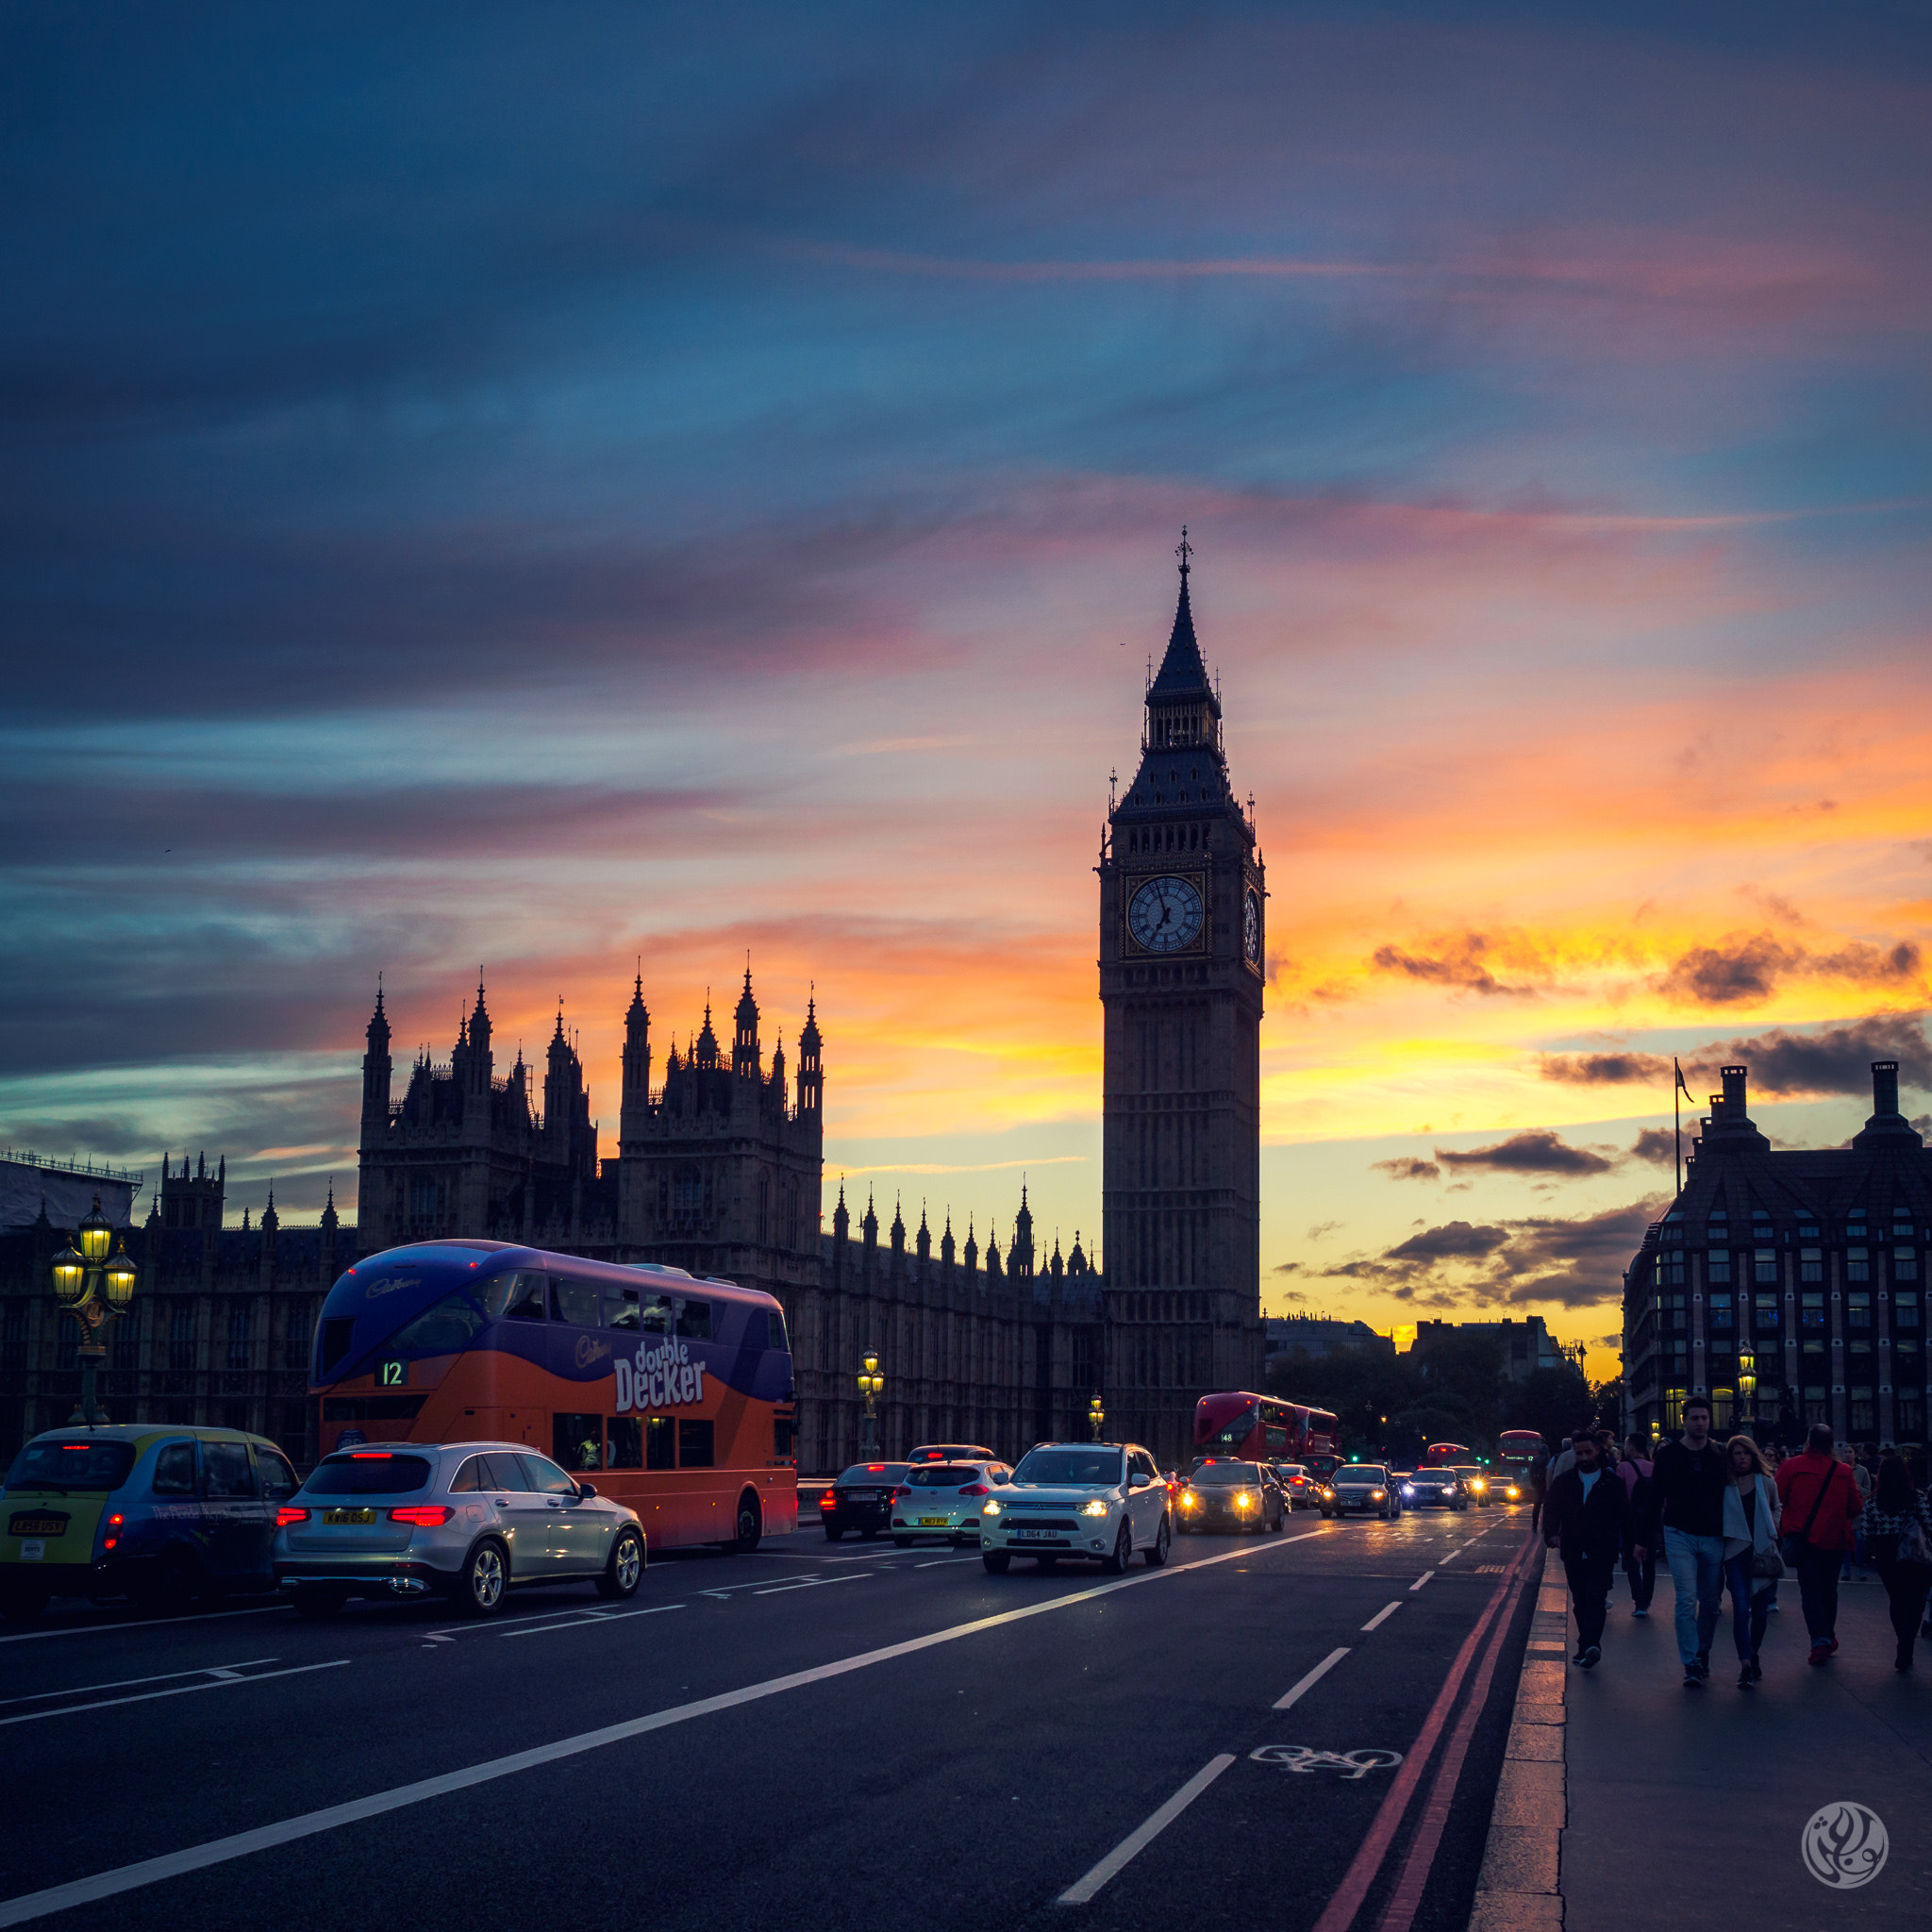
{"type": "Point", "coordinates": [1096, 1417]}
{"type": "Point", "coordinates": [872, 1385]}
{"type": "Point", "coordinates": [95, 1289]}
{"type": "Point", "coordinates": [1747, 1388]}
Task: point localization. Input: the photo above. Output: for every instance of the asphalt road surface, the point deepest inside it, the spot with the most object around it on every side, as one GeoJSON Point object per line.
{"type": "Point", "coordinates": [817, 1734]}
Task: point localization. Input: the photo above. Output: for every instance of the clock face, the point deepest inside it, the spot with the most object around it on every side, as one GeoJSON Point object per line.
{"type": "Point", "coordinates": [1251, 927]}
{"type": "Point", "coordinates": [1166, 915]}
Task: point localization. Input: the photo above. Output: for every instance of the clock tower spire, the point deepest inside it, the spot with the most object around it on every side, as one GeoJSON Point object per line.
{"type": "Point", "coordinates": [1182, 963]}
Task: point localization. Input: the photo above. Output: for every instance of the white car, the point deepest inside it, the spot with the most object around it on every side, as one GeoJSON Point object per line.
{"type": "Point", "coordinates": [944, 1499]}
{"type": "Point", "coordinates": [1086, 1502]}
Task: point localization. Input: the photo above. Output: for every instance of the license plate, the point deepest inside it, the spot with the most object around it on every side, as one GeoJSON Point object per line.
{"type": "Point", "coordinates": [349, 1515]}
{"type": "Point", "coordinates": [934, 1522]}
{"type": "Point", "coordinates": [38, 1525]}
{"type": "Point", "coordinates": [33, 1553]}
{"type": "Point", "coordinates": [1042, 1534]}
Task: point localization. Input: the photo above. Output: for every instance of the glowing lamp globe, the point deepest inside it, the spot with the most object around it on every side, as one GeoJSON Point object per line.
{"type": "Point", "coordinates": [97, 1232]}
{"type": "Point", "coordinates": [70, 1277]}
{"type": "Point", "coordinates": [122, 1275]}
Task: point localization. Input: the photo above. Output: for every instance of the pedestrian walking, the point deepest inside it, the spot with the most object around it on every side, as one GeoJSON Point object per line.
{"type": "Point", "coordinates": [1817, 1493]}
{"type": "Point", "coordinates": [1854, 1460]}
{"type": "Point", "coordinates": [1634, 1472]}
{"type": "Point", "coordinates": [1584, 1518]}
{"type": "Point", "coordinates": [1538, 1486]}
{"type": "Point", "coordinates": [1752, 1562]}
{"type": "Point", "coordinates": [1689, 1477]}
{"type": "Point", "coordinates": [1898, 1533]}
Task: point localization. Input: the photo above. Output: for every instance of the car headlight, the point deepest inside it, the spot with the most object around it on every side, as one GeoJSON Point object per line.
{"type": "Point", "coordinates": [1408, 1488]}
{"type": "Point", "coordinates": [1096, 1508]}
{"type": "Point", "coordinates": [1243, 1499]}
{"type": "Point", "coordinates": [1379, 1495]}
{"type": "Point", "coordinates": [1328, 1495]}
{"type": "Point", "coordinates": [992, 1509]}
{"type": "Point", "coordinates": [1189, 1500]}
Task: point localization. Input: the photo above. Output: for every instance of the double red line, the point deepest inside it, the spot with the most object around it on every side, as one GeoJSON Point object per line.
{"type": "Point", "coordinates": [1404, 1902]}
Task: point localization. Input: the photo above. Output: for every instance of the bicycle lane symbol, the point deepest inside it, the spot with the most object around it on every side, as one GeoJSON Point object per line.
{"type": "Point", "coordinates": [1353, 1765]}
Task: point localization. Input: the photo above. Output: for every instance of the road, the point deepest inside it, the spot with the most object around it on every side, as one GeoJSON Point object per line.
{"type": "Point", "coordinates": [815, 1734]}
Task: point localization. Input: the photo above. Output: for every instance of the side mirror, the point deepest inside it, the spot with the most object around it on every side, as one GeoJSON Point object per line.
{"type": "Point", "coordinates": [1139, 1480]}
{"type": "Point", "coordinates": [586, 1491]}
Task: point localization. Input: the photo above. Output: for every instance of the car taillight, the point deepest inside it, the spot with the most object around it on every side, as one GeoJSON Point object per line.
{"type": "Point", "coordinates": [423, 1515]}
{"type": "Point", "coordinates": [828, 1501]}
{"type": "Point", "coordinates": [114, 1523]}
{"type": "Point", "coordinates": [902, 1492]}
{"type": "Point", "coordinates": [976, 1489]}
{"type": "Point", "coordinates": [289, 1514]}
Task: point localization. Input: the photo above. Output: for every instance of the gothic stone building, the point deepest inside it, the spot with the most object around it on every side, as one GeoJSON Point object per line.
{"type": "Point", "coordinates": [1788, 1286]}
{"type": "Point", "coordinates": [1183, 896]}
{"type": "Point", "coordinates": [218, 1332]}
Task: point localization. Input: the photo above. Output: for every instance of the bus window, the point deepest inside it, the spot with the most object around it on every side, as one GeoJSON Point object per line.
{"type": "Point", "coordinates": [654, 1315]}
{"type": "Point", "coordinates": [621, 1307]}
{"type": "Point", "coordinates": [694, 1439]}
{"type": "Point", "coordinates": [580, 1303]}
{"type": "Point", "coordinates": [518, 1297]}
{"type": "Point", "coordinates": [447, 1327]}
{"type": "Point", "coordinates": [781, 1437]}
{"type": "Point", "coordinates": [694, 1325]}
{"type": "Point", "coordinates": [775, 1337]}
{"type": "Point", "coordinates": [577, 1440]}
{"type": "Point", "coordinates": [660, 1442]}
{"type": "Point", "coordinates": [623, 1442]}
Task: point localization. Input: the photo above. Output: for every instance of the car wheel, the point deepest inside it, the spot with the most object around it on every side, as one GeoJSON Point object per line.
{"type": "Point", "coordinates": [996, 1562]}
{"type": "Point", "coordinates": [319, 1606]}
{"type": "Point", "coordinates": [625, 1567]}
{"type": "Point", "coordinates": [750, 1529]}
{"type": "Point", "coordinates": [1155, 1557]}
{"type": "Point", "coordinates": [479, 1592]}
{"type": "Point", "coordinates": [22, 1602]}
{"type": "Point", "coordinates": [834, 1534]}
{"type": "Point", "coordinates": [1123, 1552]}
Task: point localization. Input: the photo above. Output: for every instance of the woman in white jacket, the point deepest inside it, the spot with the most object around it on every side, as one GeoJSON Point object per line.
{"type": "Point", "coordinates": [1751, 1511]}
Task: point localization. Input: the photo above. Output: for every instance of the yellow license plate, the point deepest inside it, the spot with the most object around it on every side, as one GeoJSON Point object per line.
{"type": "Point", "coordinates": [934, 1522]}
{"type": "Point", "coordinates": [349, 1515]}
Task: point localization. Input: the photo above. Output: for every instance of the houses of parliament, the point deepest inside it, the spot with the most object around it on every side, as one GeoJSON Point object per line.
{"type": "Point", "coordinates": [720, 1170]}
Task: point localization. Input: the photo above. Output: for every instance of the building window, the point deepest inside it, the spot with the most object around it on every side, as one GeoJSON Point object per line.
{"type": "Point", "coordinates": [1904, 1264]}
{"type": "Point", "coordinates": [1722, 1316]}
{"type": "Point", "coordinates": [241, 1334]}
{"type": "Point", "coordinates": [1864, 1419]}
{"type": "Point", "coordinates": [1858, 1308]}
{"type": "Point", "coordinates": [181, 1340]}
{"type": "Point", "coordinates": [1717, 1266]}
{"type": "Point", "coordinates": [1810, 1264]}
{"type": "Point", "coordinates": [1673, 1270]}
{"type": "Point", "coordinates": [1807, 1228]}
{"type": "Point", "coordinates": [1905, 1310]}
{"type": "Point", "coordinates": [13, 1336]}
{"type": "Point", "coordinates": [1817, 1407]}
{"type": "Point", "coordinates": [1765, 1265]}
{"type": "Point", "coordinates": [1901, 1224]}
{"type": "Point", "coordinates": [1911, 1415]}
{"type": "Point", "coordinates": [1718, 1230]}
{"type": "Point", "coordinates": [1765, 1317]}
{"type": "Point", "coordinates": [1857, 1264]}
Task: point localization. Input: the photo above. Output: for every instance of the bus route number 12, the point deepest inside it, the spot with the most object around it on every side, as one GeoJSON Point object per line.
{"type": "Point", "coordinates": [393, 1375]}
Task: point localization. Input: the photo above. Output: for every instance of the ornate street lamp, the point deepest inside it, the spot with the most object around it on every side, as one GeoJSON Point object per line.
{"type": "Point", "coordinates": [872, 1385]}
{"type": "Point", "coordinates": [1096, 1417]}
{"type": "Point", "coordinates": [95, 1289]}
{"type": "Point", "coordinates": [1747, 1387]}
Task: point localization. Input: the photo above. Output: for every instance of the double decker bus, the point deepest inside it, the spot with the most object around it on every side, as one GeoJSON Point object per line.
{"type": "Point", "coordinates": [1246, 1427]}
{"type": "Point", "coordinates": [1449, 1455]}
{"type": "Point", "coordinates": [1518, 1453]}
{"type": "Point", "coordinates": [676, 1391]}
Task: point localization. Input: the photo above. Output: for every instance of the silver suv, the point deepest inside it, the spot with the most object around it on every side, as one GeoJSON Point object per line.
{"type": "Point", "coordinates": [464, 1520]}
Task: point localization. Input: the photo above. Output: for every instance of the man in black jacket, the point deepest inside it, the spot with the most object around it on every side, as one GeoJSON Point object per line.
{"type": "Point", "coordinates": [1687, 1483]}
{"type": "Point", "coordinates": [1584, 1516]}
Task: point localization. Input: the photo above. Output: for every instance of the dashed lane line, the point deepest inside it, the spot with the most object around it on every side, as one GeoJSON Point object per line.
{"type": "Point", "coordinates": [129, 1683]}
{"type": "Point", "coordinates": [139, 1623]}
{"type": "Point", "coordinates": [29, 1906]}
{"type": "Point", "coordinates": [1382, 1616]}
{"type": "Point", "coordinates": [591, 1619]}
{"type": "Point", "coordinates": [1082, 1889]}
{"type": "Point", "coordinates": [1421, 1580]}
{"type": "Point", "coordinates": [215, 1683]}
{"type": "Point", "coordinates": [1309, 1682]}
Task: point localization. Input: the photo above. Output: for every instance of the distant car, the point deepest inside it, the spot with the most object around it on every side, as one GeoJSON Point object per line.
{"type": "Point", "coordinates": [1091, 1502]}
{"type": "Point", "coordinates": [1441, 1489]}
{"type": "Point", "coordinates": [161, 1515]}
{"type": "Point", "coordinates": [1301, 1488]}
{"type": "Point", "coordinates": [1361, 1489]}
{"type": "Point", "coordinates": [860, 1501]}
{"type": "Point", "coordinates": [951, 1451]}
{"type": "Point", "coordinates": [466, 1520]}
{"type": "Point", "coordinates": [1224, 1494]}
{"type": "Point", "coordinates": [1475, 1480]}
{"type": "Point", "coordinates": [944, 1499]}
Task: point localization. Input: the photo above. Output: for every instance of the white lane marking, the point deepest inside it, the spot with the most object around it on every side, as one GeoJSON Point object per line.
{"type": "Point", "coordinates": [805, 1583]}
{"type": "Point", "coordinates": [1083, 1890]}
{"type": "Point", "coordinates": [1450, 1558]}
{"type": "Point", "coordinates": [109, 1884]}
{"type": "Point", "coordinates": [1420, 1581]}
{"type": "Point", "coordinates": [938, 1563]}
{"type": "Point", "coordinates": [590, 1623]}
{"type": "Point", "coordinates": [1313, 1677]}
{"type": "Point", "coordinates": [1383, 1615]}
{"type": "Point", "coordinates": [493, 1626]}
{"type": "Point", "coordinates": [179, 1690]}
{"type": "Point", "coordinates": [128, 1683]}
{"type": "Point", "coordinates": [140, 1624]}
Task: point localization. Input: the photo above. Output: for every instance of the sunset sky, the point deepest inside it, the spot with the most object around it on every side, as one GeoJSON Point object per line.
{"type": "Point", "coordinates": [537, 490]}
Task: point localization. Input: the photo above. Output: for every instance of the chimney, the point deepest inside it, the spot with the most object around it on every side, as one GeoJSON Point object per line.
{"type": "Point", "coordinates": [1884, 1087]}
{"type": "Point", "coordinates": [1734, 1078]}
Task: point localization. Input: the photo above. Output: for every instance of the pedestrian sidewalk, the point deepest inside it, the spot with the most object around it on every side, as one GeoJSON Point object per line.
{"type": "Point", "coordinates": [1627, 1803]}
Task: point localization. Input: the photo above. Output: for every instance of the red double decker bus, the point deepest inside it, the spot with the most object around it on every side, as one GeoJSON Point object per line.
{"type": "Point", "coordinates": [1449, 1455]}
{"type": "Point", "coordinates": [1262, 1428]}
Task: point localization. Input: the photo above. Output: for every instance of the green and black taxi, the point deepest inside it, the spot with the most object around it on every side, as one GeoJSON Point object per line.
{"type": "Point", "coordinates": [161, 1515]}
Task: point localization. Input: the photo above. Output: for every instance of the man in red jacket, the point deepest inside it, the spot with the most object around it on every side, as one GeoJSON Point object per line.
{"type": "Point", "coordinates": [1818, 1502]}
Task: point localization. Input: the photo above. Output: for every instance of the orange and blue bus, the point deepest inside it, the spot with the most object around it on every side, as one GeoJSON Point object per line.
{"type": "Point", "coordinates": [675, 1390]}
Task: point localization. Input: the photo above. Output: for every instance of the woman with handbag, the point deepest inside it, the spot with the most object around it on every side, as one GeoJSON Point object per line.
{"type": "Point", "coordinates": [1752, 1563]}
{"type": "Point", "coordinates": [1898, 1535]}
{"type": "Point", "coordinates": [1817, 1492]}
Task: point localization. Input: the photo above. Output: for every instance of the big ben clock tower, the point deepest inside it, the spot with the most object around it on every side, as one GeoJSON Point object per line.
{"type": "Point", "coordinates": [1183, 908]}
